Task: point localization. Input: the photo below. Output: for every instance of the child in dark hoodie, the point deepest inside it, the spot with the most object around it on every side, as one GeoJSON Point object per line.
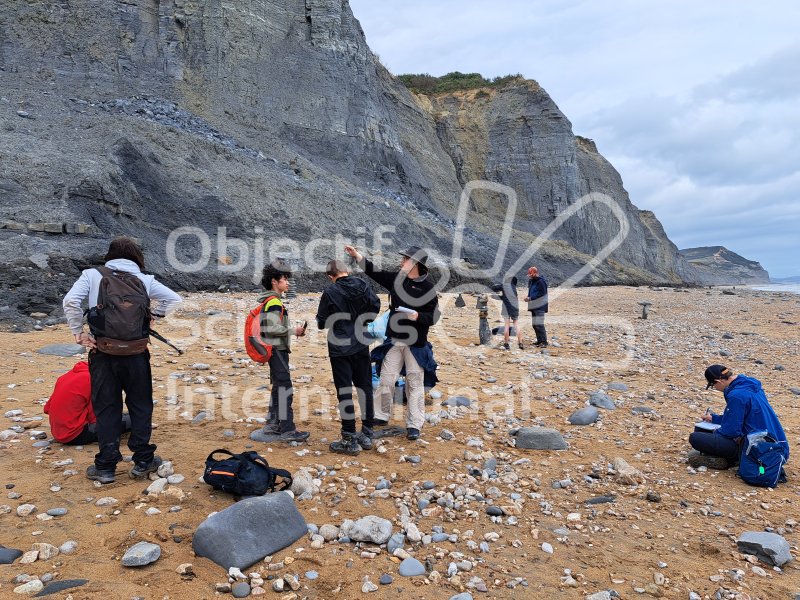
{"type": "Point", "coordinates": [344, 310]}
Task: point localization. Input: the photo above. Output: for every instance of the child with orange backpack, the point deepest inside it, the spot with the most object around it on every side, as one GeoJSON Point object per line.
{"type": "Point", "coordinates": [270, 343]}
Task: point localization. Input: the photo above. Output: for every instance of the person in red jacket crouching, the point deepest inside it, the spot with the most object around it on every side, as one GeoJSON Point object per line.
{"type": "Point", "coordinates": [72, 419]}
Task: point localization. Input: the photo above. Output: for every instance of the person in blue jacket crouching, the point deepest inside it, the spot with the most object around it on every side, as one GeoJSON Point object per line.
{"type": "Point", "coordinates": [747, 410]}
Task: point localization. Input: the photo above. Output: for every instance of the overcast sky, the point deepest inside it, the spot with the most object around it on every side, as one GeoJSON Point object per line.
{"type": "Point", "coordinates": [697, 104]}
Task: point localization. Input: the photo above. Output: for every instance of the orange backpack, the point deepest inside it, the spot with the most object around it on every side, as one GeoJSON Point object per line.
{"type": "Point", "coordinates": [257, 350]}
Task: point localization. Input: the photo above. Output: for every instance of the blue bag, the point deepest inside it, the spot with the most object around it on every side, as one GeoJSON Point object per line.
{"type": "Point", "coordinates": [762, 460]}
{"type": "Point", "coordinates": [377, 328]}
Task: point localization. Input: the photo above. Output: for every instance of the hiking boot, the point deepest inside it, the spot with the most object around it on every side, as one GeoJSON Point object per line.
{"type": "Point", "coordinates": [697, 459]}
{"type": "Point", "coordinates": [294, 436]}
{"type": "Point", "coordinates": [412, 434]}
{"type": "Point", "coordinates": [95, 474]}
{"type": "Point", "coordinates": [271, 428]}
{"type": "Point", "coordinates": [379, 423]}
{"type": "Point", "coordinates": [143, 469]}
{"type": "Point", "coordinates": [521, 346]}
{"type": "Point", "coordinates": [365, 438]}
{"type": "Point", "coordinates": [347, 445]}
{"type": "Point", "coordinates": [506, 346]}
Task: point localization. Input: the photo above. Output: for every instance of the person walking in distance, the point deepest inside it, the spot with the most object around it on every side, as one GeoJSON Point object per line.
{"type": "Point", "coordinates": [344, 310]}
{"type": "Point", "coordinates": [413, 309]}
{"type": "Point", "coordinates": [119, 297]}
{"type": "Point", "coordinates": [537, 305]}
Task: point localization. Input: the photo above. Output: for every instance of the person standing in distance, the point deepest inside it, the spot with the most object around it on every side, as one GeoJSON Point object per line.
{"type": "Point", "coordinates": [413, 309]}
{"type": "Point", "coordinates": [111, 373]}
{"type": "Point", "coordinates": [537, 305]}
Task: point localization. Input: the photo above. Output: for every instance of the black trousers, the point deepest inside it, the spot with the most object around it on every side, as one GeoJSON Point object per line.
{"type": "Point", "coordinates": [353, 373]}
{"type": "Point", "coordinates": [715, 445]}
{"type": "Point", "coordinates": [112, 375]}
{"type": "Point", "coordinates": [280, 401]}
{"type": "Point", "coordinates": [537, 318]}
{"type": "Point", "coordinates": [89, 433]}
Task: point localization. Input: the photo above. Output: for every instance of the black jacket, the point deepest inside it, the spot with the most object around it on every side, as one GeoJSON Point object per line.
{"type": "Point", "coordinates": [344, 310]}
{"type": "Point", "coordinates": [416, 294]}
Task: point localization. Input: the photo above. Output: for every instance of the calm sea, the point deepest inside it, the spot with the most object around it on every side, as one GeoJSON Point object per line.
{"type": "Point", "coordinates": [792, 288]}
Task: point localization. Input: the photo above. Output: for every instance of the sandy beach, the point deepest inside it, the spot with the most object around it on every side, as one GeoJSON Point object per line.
{"type": "Point", "coordinates": [668, 535]}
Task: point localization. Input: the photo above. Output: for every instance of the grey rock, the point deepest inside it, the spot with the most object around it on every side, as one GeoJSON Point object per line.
{"type": "Point", "coordinates": [540, 438]}
{"type": "Point", "coordinates": [61, 585]}
{"type": "Point", "coordinates": [9, 555]}
{"type": "Point", "coordinates": [265, 438]}
{"type": "Point", "coordinates": [602, 400]}
{"type": "Point", "coordinates": [240, 589]}
{"type": "Point", "coordinates": [312, 575]}
{"type": "Point", "coordinates": [462, 596]}
{"type": "Point", "coordinates": [717, 265]}
{"type": "Point", "coordinates": [397, 540]}
{"type": "Point", "coordinates": [641, 410]}
{"type": "Point", "coordinates": [368, 529]}
{"type": "Point", "coordinates": [443, 537]}
{"type": "Point", "coordinates": [446, 434]}
{"type": "Point", "coordinates": [601, 499]}
{"type": "Point", "coordinates": [41, 444]}
{"type": "Point", "coordinates": [199, 417]}
{"type": "Point", "coordinates": [428, 485]}
{"type": "Point", "coordinates": [618, 386]}
{"type": "Point", "coordinates": [68, 547]}
{"type": "Point", "coordinates": [57, 512]}
{"type": "Point", "coordinates": [141, 554]}
{"type": "Point", "coordinates": [494, 511]}
{"type": "Point", "coordinates": [65, 350]}
{"type": "Point", "coordinates": [249, 530]}
{"type": "Point", "coordinates": [457, 401]}
{"type": "Point", "coordinates": [584, 416]}
{"type": "Point", "coordinates": [795, 391]}
{"type": "Point", "coordinates": [411, 567]}
{"type": "Point", "coordinates": [386, 579]}
{"type": "Point", "coordinates": [770, 548]}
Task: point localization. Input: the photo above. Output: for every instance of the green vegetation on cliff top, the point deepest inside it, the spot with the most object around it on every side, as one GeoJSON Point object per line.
{"type": "Point", "coordinates": [423, 83]}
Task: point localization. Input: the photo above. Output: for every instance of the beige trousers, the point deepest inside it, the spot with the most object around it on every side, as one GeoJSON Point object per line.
{"type": "Point", "coordinates": [397, 356]}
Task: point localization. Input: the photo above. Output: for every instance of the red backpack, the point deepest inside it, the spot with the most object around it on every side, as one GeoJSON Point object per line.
{"type": "Point", "coordinates": [254, 343]}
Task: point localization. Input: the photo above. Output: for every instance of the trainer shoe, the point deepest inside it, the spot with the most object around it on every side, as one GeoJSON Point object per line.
{"type": "Point", "coordinates": [102, 476]}
{"type": "Point", "coordinates": [412, 434]}
{"type": "Point", "coordinates": [294, 436]}
{"type": "Point", "coordinates": [271, 428]}
{"type": "Point", "coordinates": [365, 438]}
{"type": "Point", "coordinates": [697, 459]}
{"type": "Point", "coordinates": [379, 423]}
{"type": "Point", "coordinates": [143, 469]}
{"type": "Point", "coordinates": [347, 445]}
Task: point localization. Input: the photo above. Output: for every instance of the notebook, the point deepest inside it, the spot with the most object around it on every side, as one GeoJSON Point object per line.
{"type": "Point", "coordinates": [705, 426]}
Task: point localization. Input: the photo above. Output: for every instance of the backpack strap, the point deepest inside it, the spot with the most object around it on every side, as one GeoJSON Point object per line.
{"type": "Point", "coordinates": [273, 300]}
{"type": "Point", "coordinates": [287, 479]}
{"type": "Point", "coordinates": [222, 451]}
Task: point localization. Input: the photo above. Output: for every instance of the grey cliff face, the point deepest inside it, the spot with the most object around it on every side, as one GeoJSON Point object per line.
{"type": "Point", "coordinates": [272, 119]}
{"type": "Point", "coordinates": [717, 265]}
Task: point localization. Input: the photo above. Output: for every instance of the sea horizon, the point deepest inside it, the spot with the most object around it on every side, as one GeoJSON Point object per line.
{"type": "Point", "coordinates": [792, 288]}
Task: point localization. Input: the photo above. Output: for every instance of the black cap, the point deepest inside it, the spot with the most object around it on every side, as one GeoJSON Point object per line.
{"type": "Point", "coordinates": [417, 254]}
{"type": "Point", "coordinates": [716, 372]}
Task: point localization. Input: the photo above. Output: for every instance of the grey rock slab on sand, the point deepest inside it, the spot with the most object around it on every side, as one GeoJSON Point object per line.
{"type": "Point", "coordinates": [602, 400]}
{"type": "Point", "coordinates": [584, 416]}
{"type": "Point", "coordinates": [540, 438]}
{"type": "Point", "coordinates": [265, 438]}
{"type": "Point", "coordinates": [368, 529]}
{"type": "Point", "coordinates": [770, 548]}
{"type": "Point", "coordinates": [141, 554]}
{"type": "Point", "coordinates": [65, 350]}
{"type": "Point", "coordinates": [462, 596]}
{"type": "Point", "coordinates": [59, 586]}
{"type": "Point", "coordinates": [9, 555]}
{"type": "Point", "coordinates": [249, 530]}
{"type": "Point", "coordinates": [240, 589]}
{"type": "Point", "coordinates": [411, 567]}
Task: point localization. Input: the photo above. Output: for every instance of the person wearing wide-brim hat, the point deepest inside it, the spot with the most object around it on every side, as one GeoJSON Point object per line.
{"type": "Point", "coordinates": [747, 410]}
{"type": "Point", "coordinates": [413, 309]}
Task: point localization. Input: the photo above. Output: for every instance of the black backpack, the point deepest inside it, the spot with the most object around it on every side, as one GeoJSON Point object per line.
{"type": "Point", "coordinates": [245, 474]}
{"type": "Point", "coordinates": [120, 322]}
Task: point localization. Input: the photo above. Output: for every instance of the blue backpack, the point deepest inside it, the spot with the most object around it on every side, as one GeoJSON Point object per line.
{"type": "Point", "coordinates": [762, 459]}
